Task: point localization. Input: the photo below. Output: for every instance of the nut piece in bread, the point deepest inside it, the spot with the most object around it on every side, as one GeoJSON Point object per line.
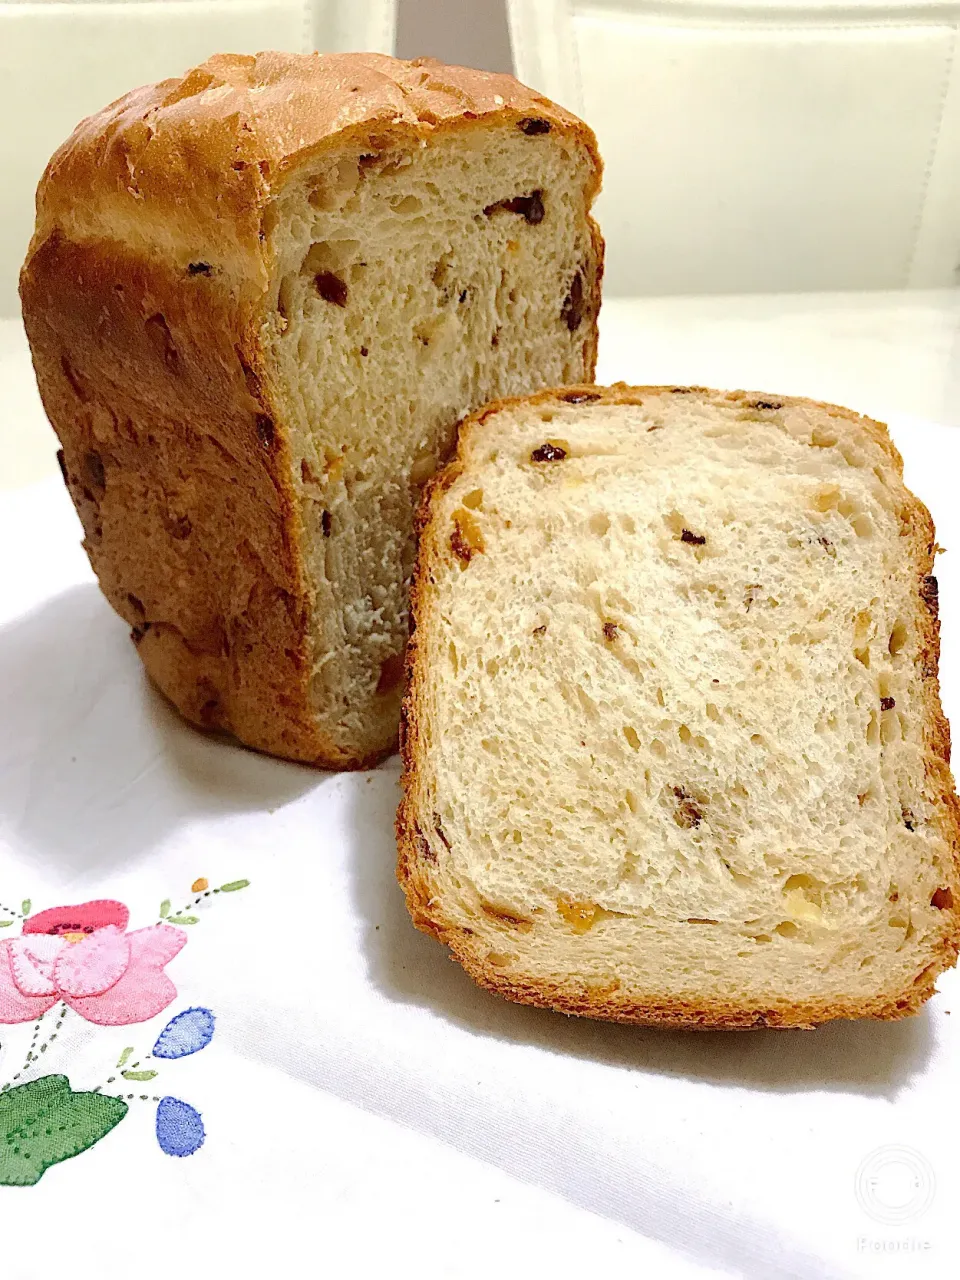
{"type": "Point", "coordinates": [259, 299]}
{"type": "Point", "coordinates": [674, 751]}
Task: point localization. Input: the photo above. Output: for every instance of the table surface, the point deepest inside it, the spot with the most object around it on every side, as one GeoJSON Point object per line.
{"type": "Point", "coordinates": [365, 1104]}
{"type": "Point", "coordinates": [878, 353]}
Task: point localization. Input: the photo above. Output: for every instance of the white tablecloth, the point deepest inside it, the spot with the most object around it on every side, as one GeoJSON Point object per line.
{"type": "Point", "coordinates": [366, 1109]}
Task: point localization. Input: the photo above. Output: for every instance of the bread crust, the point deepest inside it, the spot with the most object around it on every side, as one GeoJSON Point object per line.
{"type": "Point", "coordinates": [143, 292]}
{"type": "Point", "coordinates": [415, 855]}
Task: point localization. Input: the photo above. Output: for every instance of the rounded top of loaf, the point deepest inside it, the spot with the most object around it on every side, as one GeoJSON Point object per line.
{"type": "Point", "coordinates": [187, 165]}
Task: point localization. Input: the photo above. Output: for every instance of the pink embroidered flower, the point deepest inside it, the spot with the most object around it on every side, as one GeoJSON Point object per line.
{"type": "Point", "coordinates": [84, 956]}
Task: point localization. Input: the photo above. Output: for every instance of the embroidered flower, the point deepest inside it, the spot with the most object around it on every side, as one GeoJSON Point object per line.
{"type": "Point", "coordinates": [84, 956]}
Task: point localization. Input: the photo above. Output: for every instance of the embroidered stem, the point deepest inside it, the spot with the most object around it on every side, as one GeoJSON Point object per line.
{"type": "Point", "coordinates": [129, 1097]}
{"type": "Point", "coordinates": [42, 1048]}
{"type": "Point", "coordinates": [17, 915]}
{"type": "Point", "coordinates": [182, 916]}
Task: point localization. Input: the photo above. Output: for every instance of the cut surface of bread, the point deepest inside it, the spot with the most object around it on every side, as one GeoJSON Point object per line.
{"type": "Point", "coordinates": [673, 744]}
{"type": "Point", "coordinates": [259, 300]}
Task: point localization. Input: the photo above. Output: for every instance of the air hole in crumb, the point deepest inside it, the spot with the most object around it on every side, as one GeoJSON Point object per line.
{"type": "Point", "coordinates": [473, 499]}
{"type": "Point", "coordinates": [599, 524]}
{"type": "Point", "coordinates": [684, 734]}
{"type": "Point", "coordinates": [898, 638]}
{"type": "Point", "coordinates": [809, 886]}
{"type": "Point", "coordinates": [787, 929]}
{"type": "Point", "coordinates": [632, 802]}
{"type": "Point", "coordinates": [657, 747]}
{"type": "Point", "coordinates": [632, 736]}
{"type": "Point", "coordinates": [890, 728]}
{"type": "Point", "coordinates": [326, 523]}
{"type": "Point", "coordinates": [406, 205]}
{"type": "Point", "coordinates": [712, 712]}
{"type": "Point", "coordinates": [529, 207]}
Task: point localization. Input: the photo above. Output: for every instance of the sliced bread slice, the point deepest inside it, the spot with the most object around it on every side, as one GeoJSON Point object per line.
{"type": "Point", "coordinates": [259, 299]}
{"type": "Point", "coordinates": [673, 750]}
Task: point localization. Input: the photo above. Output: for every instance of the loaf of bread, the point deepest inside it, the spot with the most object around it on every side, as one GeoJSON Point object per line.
{"type": "Point", "coordinates": [259, 300]}
{"type": "Point", "coordinates": [673, 744]}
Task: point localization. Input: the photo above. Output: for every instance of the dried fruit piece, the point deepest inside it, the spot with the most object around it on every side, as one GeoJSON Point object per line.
{"type": "Point", "coordinates": [548, 453]}
{"type": "Point", "coordinates": [466, 538]}
{"type": "Point", "coordinates": [571, 313]}
{"type": "Point", "coordinates": [331, 288]}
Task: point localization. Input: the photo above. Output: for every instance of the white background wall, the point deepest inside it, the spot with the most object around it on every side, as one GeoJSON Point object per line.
{"type": "Point", "coordinates": [751, 145]}
{"type": "Point", "coordinates": [471, 33]}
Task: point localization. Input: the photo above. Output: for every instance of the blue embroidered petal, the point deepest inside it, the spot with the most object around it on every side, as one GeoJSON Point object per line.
{"type": "Point", "coordinates": [180, 1130]}
{"type": "Point", "coordinates": [187, 1033]}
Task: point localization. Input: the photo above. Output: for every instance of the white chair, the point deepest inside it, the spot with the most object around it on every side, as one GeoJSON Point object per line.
{"type": "Point", "coordinates": [59, 62]}
{"type": "Point", "coordinates": [762, 146]}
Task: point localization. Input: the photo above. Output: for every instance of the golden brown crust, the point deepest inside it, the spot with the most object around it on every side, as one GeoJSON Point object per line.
{"type": "Point", "coordinates": [415, 855]}
{"type": "Point", "coordinates": [142, 294]}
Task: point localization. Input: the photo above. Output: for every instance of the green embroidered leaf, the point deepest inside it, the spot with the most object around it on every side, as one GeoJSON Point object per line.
{"type": "Point", "coordinates": [138, 1075]}
{"type": "Point", "coordinates": [25, 906]}
{"type": "Point", "coordinates": [184, 919]}
{"type": "Point", "coordinates": [5, 924]}
{"type": "Point", "coordinates": [125, 1056]}
{"type": "Point", "coordinates": [233, 886]}
{"type": "Point", "coordinates": [44, 1122]}
{"type": "Point", "coordinates": [164, 908]}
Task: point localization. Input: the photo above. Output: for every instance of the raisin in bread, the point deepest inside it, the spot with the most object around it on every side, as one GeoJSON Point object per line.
{"type": "Point", "coordinates": [674, 750]}
{"type": "Point", "coordinates": [259, 299]}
